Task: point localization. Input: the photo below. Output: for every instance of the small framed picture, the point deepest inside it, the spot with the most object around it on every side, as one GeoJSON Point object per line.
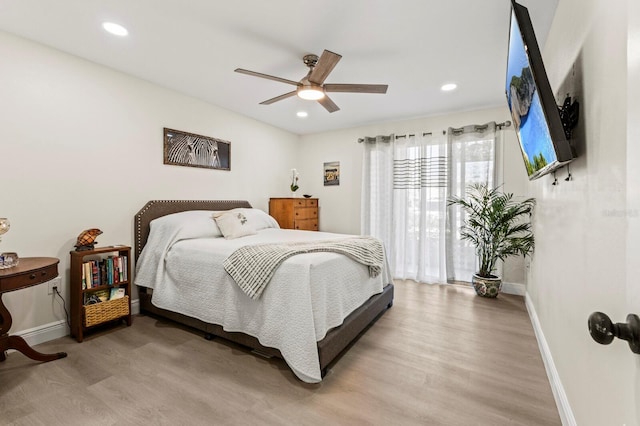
{"type": "Point", "coordinates": [191, 150]}
{"type": "Point", "coordinates": [332, 173]}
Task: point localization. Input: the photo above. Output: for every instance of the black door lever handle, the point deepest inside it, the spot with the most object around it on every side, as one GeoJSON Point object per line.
{"type": "Point", "coordinates": [603, 330]}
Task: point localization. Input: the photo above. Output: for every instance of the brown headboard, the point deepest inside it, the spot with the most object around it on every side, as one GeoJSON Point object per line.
{"type": "Point", "coordinates": [158, 208]}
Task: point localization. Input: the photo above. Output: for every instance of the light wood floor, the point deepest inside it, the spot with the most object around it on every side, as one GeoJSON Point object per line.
{"type": "Point", "coordinates": [440, 356]}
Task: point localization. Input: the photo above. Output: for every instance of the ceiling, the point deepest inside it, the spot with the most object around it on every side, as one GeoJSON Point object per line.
{"type": "Point", "coordinates": [193, 47]}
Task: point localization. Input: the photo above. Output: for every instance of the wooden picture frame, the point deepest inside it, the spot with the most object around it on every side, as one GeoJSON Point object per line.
{"type": "Point", "coordinates": [192, 150]}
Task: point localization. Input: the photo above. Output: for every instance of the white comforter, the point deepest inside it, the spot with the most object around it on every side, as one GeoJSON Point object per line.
{"type": "Point", "coordinates": [308, 295]}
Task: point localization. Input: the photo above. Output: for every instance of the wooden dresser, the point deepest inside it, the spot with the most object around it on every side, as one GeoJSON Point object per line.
{"type": "Point", "coordinates": [295, 213]}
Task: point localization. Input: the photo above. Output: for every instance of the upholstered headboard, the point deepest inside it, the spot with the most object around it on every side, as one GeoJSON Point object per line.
{"type": "Point", "coordinates": [158, 208]}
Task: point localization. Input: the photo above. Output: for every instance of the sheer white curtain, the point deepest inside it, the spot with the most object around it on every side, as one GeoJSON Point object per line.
{"type": "Point", "coordinates": [472, 152]}
{"type": "Point", "coordinates": [406, 184]}
{"type": "Point", "coordinates": [377, 189]}
{"type": "Point", "coordinates": [419, 208]}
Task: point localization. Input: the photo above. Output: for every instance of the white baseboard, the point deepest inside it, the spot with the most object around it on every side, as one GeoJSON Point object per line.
{"type": "Point", "coordinates": [514, 288]}
{"type": "Point", "coordinates": [44, 333]}
{"type": "Point", "coordinates": [562, 402]}
{"type": "Point", "coordinates": [57, 329]}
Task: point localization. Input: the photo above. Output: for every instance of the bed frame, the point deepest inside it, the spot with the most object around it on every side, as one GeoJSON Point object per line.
{"type": "Point", "coordinates": [330, 348]}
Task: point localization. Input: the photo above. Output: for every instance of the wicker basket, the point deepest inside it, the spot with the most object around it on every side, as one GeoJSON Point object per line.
{"type": "Point", "coordinates": [105, 311]}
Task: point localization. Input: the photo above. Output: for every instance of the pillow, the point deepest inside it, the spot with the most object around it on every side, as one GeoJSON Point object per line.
{"type": "Point", "coordinates": [234, 224]}
{"type": "Point", "coordinates": [168, 230]}
{"type": "Point", "coordinates": [258, 219]}
{"type": "Point", "coordinates": [187, 224]}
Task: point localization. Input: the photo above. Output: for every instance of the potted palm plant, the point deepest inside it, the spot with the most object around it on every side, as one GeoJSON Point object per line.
{"type": "Point", "coordinates": [499, 227]}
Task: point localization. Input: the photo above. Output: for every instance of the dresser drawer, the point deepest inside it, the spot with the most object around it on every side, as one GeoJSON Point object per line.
{"type": "Point", "coordinates": [33, 277]}
{"type": "Point", "coordinates": [306, 224]}
{"type": "Point", "coordinates": [305, 213]}
{"type": "Point", "coordinates": [302, 202]}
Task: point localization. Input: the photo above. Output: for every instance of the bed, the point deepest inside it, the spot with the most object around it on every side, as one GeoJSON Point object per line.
{"type": "Point", "coordinates": [180, 277]}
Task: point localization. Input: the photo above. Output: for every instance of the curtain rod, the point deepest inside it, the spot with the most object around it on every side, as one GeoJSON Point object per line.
{"type": "Point", "coordinates": [499, 126]}
{"type": "Point", "coordinates": [411, 134]}
{"type": "Point", "coordinates": [483, 127]}
{"type": "Point", "coordinates": [444, 132]}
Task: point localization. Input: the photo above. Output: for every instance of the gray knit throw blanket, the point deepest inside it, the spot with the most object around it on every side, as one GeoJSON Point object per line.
{"type": "Point", "coordinates": [253, 266]}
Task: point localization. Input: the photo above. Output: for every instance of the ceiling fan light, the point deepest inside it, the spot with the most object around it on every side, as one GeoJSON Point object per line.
{"type": "Point", "coordinates": [310, 93]}
{"type": "Point", "coordinates": [115, 29]}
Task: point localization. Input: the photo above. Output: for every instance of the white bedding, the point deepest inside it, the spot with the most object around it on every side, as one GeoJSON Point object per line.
{"type": "Point", "coordinates": [308, 295]}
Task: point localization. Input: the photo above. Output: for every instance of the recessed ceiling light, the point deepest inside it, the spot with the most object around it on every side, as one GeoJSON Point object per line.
{"type": "Point", "coordinates": [302, 114]}
{"type": "Point", "coordinates": [448, 87]}
{"type": "Point", "coordinates": [115, 29]}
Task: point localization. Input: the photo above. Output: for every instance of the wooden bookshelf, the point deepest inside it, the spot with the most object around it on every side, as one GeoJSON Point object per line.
{"type": "Point", "coordinates": [109, 269]}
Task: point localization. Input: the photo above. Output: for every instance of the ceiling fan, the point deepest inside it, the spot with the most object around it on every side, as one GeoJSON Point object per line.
{"type": "Point", "coordinates": [312, 85]}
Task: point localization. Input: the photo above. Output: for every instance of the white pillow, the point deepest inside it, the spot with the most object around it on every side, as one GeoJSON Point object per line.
{"type": "Point", "coordinates": [187, 224]}
{"type": "Point", "coordinates": [234, 224]}
{"type": "Point", "coordinates": [258, 219]}
{"type": "Point", "coordinates": [168, 230]}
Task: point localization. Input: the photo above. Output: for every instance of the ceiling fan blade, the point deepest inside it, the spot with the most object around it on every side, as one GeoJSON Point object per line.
{"type": "Point", "coordinates": [267, 76]}
{"type": "Point", "coordinates": [325, 65]}
{"type": "Point", "coordinates": [278, 98]}
{"type": "Point", "coordinates": [356, 88]}
{"type": "Point", "coordinates": [328, 104]}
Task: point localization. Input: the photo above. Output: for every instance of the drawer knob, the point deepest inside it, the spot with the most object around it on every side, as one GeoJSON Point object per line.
{"type": "Point", "coordinates": [43, 273]}
{"type": "Point", "coordinates": [32, 276]}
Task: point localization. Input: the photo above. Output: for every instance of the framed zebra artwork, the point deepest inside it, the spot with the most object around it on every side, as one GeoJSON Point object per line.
{"type": "Point", "coordinates": [191, 150]}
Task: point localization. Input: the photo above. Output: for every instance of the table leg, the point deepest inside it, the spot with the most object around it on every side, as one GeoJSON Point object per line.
{"type": "Point", "coordinates": [17, 342]}
{"type": "Point", "coordinates": [5, 318]}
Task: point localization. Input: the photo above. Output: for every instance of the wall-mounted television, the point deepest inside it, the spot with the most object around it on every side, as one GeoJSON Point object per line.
{"type": "Point", "coordinates": [537, 120]}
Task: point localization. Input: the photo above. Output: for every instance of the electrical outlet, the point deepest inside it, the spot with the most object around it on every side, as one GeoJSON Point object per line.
{"type": "Point", "coordinates": [54, 283]}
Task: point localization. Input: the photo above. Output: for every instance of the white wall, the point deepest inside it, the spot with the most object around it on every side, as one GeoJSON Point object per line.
{"type": "Point", "coordinates": [340, 205]}
{"type": "Point", "coordinates": [82, 147]}
{"type": "Point", "coordinates": [586, 259]}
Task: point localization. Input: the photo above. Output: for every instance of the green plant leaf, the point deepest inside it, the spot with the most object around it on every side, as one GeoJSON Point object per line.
{"type": "Point", "coordinates": [496, 224]}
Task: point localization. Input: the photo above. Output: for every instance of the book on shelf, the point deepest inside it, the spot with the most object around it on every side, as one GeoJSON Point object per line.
{"type": "Point", "coordinates": [111, 269]}
{"type": "Point", "coordinates": [103, 295]}
{"type": "Point", "coordinates": [120, 270]}
{"type": "Point", "coordinates": [95, 279]}
{"type": "Point", "coordinates": [117, 293]}
{"type": "Point", "coordinates": [116, 270]}
{"type": "Point", "coordinates": [88, 274]}
{"type": "Point", "coordinates": [107, 271]}
{"type": "Point", "coordinates": [103, 272]}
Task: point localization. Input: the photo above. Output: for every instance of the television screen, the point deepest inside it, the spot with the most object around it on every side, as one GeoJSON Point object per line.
{"type": "Point", "coordinates": [533, 107]}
